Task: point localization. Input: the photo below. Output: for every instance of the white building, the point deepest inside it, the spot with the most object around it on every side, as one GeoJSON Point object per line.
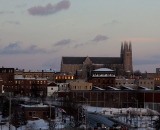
{"type": "Point", "coordinates": [52, 88]}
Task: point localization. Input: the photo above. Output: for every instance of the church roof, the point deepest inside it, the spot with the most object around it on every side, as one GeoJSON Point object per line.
{"type": "Point", "coordinates": [95, 60]}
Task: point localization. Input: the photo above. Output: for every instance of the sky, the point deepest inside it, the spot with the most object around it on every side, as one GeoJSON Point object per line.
{"type": "Point", "coordinates": [36, 34]}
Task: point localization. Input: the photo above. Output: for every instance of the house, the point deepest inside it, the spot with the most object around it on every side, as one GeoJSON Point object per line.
{"type": "Point", "coordinates": [38, 111]}
{"type": "Point", "coordinates": [52, 88]}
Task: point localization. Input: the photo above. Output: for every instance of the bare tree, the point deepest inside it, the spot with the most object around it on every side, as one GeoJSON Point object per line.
{"type": "Point", "coordinates": [137, 73]}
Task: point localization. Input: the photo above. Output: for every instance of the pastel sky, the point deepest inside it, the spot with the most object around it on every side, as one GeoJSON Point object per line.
{"type": "Point", "coordinates": [35, 34]}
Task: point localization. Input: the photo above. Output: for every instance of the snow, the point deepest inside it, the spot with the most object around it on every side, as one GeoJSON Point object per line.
{"type": "Point", "coordinates": [103, 69]}
{"type": "Point", "coordinates": [114, 113]}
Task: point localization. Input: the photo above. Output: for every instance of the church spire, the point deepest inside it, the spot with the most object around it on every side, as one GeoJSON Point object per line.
{"type": "Point", "coordinates": [122, 46]}
{"type": "Point", "coordinates": [130, 46]}
{"type": "Point", "coordinates": [125, 45]}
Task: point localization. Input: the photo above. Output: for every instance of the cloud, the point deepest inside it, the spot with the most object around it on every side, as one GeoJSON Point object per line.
{"type": "Point", "coordinates": [11, 22]}
{"type": "Point", "coordinates": [6, 12]}
{"type": "Point", "coordinates": [15, 48]}
{"type": "Point", "coordinates": [99, 38]}
{"type": "Point", "coordinates": [21, 5]}
{"type": "Point", "coordinates": [113, 22]}
{"type": "Point", "coordinates": [150, 60]}
{"type": "Point", "coordinates": [49, 8]}
{"type": "Point", "coordinates": [79, 45]}
{"type": "Point", "coordinates": [63, 42]}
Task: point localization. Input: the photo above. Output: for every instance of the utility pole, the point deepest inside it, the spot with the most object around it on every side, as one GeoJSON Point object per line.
{"type": "Point", "coordinates": [137, 109]}
{"type": "Point", "coordinates": [9, 98]}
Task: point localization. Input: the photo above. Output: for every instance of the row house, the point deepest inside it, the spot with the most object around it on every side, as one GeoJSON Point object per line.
{"type": "Point", "coordinates": [30, 86]}
{"type": "Point", "coordinates": [27, 87]}
{"type": "Point", "coordinates": [49, 74]}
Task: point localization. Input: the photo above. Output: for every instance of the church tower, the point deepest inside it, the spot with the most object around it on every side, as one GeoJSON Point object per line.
{"type": "Point", "coordinates": [126, 56]}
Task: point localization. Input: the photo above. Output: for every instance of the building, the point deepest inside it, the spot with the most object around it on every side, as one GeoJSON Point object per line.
{"type": "Point", "coordinates": [103, 78]}
{"type": "Point", "coordinates": [49, 74]}
{"type": "Point", "coordinates": [52, 88]}
{"type": "Point", "coordinates": [154, 76]}
{"type": "Point", "coordinates": [6, 78]}
{"type": "Point", "coordinates": [80, 86]}
{"type": "Point", "coordinates": [157, 70]}
{"type": "Point", "coordinates": [124, 81]}
{"type": "Point", "coordinates": [85, 65]}
{"type": "Point", "coordinates": [148, 83]}
{"type": "Point", "coordinates": [64, 77]}
{"type": "Point", "coordinates": [27, 87]}
{"type": "Point", "coordinates": [39, 111]}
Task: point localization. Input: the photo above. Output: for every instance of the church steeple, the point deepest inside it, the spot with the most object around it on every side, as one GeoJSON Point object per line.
{"type": "Point", "coordinates": [122, 46]}
{"type": "Point", "coordinates": [130, 46]}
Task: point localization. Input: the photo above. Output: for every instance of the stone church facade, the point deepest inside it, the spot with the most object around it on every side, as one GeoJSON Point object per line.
{"type": "Point", "coordinates": [83, 66]}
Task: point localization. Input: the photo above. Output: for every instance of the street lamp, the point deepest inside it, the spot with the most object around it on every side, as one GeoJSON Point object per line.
{"type": "Point", "coordinates": [86, 114]}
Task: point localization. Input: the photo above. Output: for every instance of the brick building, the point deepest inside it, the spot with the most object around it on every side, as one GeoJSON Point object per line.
{"type": "Point", "coordinates": [7, 78]}
{"type": "Point", "coordinates": [38, 111]}
{"type": "Point", "coordinates": [29, 86]}
{"type": "Point", "coordinates": [103, 78]}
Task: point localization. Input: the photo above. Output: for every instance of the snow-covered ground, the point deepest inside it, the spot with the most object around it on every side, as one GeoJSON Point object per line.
{"type": "Point", "coordinates": [129, 116]}
{"type": "Point", "coordinates": [123, 115]}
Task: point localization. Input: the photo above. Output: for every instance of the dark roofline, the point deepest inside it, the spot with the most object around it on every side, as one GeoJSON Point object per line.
{"type": "Point", "coordinates": [95, 60]}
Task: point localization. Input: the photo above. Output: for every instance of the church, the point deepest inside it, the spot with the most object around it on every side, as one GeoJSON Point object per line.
{"type": "Point", "coordinates": [83, 66]}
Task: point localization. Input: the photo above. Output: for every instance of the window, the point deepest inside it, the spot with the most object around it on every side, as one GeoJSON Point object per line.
{"type": "Point", "coordinates": [98, 80]}
{"type": "Point", "coordinates": [44, 114]}
{"type": "Point", "coordinates": [32, 113]}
